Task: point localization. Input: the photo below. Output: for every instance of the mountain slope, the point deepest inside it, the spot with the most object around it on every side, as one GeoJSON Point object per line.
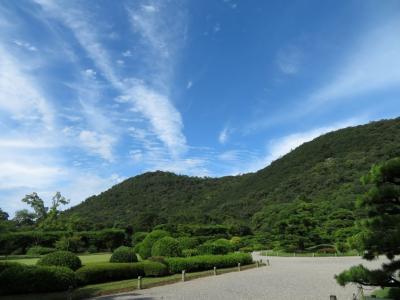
{"type": "Point", "coordinates": [326, 169]}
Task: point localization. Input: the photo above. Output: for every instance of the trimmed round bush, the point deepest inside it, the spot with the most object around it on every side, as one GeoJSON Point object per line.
{"type": "Point", "coordinates": [36, 279]}
{"type": "Point", "coordinates": [207, 262]}
{"type": "Point", "coordinates": [221, 246]}
{"type": "Point", "coordinates": [159, 259]}
{"type": "Point", "coordinates": [39, 250]}
{"type": "Point", "coordinates": [8, 264]}
{"type": "Point", "coordinates": [148, 242]}
{"type": "Point", "coordinates": [62, 259]}
{"type": "Point", "coordinates": [123, 254]}
{"type": "Point", "coordinates": [167, 246]}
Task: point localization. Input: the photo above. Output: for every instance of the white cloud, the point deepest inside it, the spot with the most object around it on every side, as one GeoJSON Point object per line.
{"type": "Point", "coordinates": [98, 143]}
{"type": "Point", "coordinates": [231, 155]}
{"type": "Point", "coordinates": [224, 135]}
{"type": "Point", "coordinates": [127, 53]}
{"type": "Point", "coordinates": [25, 45]}
{"type": "Point", "coordinates": [120, 62]}
{"type": "Point", "coordinates": [373, 65]}
{"type": "Point", "coordinates": [189, 85]}
{"type": "Point", "coordinates": [288, 60]}
{"type": "Point", "coordinates": [90, 73]}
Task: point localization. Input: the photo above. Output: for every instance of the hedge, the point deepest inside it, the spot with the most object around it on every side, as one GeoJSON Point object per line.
{"type": "Point", "coordinates": [123, 254]}
{"type": "Point", "coordinates": [39, 250]}
{"type": "Point", "coordinates": [62, 259]}
{"type": "Point", "coordinates": [207, 262]}
{"type": "Point", "coordinates": [221, 246]}
{"type": "Point", "coordinates": [167, 246]}
{"type": "Point", "coordinates": [148, 242]}
{"type": "Point", "coordinates": [7, 264]}
{"type": "Point", "coordinates": [105, 272]}
{"type": "Point", "coordinates": [35, 279]}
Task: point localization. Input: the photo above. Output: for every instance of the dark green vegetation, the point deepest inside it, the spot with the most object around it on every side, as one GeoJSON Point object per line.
{"type": "Point", "coordinates": [380, 231]}
{"type": "Point", "coordinates": [61, 259]}
{"type": "Point", "coordinates": [123, 254]}
{"type": "Point", "coordinates": [303, 199]}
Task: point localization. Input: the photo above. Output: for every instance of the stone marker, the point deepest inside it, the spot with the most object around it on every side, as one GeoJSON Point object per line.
{"type": "Point", "coordinates": [238, 266]}
{"type": "Point", "coordinates": [215, 271]}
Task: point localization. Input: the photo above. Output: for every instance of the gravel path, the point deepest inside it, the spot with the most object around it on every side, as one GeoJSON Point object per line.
{"type": "Point", "coordinates": [297, 278]}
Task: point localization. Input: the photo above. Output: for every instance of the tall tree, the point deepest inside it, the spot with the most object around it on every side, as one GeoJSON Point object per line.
{"type": "Point", "coordinates": [24, 217]}
{"type": "Point", "coordinates": [37, 204]}
{"type": "Point", "coordinates": [381, 230]}
{"type": "Point", "coordinates": [3, 215]}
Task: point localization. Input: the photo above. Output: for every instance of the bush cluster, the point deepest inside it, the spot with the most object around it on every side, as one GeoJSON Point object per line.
{"type": "Point", "coordinates": [166, 246]}
{"type": "Point", "coordinates": [35, 279]}
{"type": "Point", "coordinates": [190, 252]}
{"type": "Point", "coordinates": [105, 272]}
{"type": "Point", "coordinates": [207, 262]}
{"type": "Point", "coordinates": [220, 246]}
{"type": "Point", "coordinates": [146, 245]}
{"type": "Point", "coordinates": [123, 254]}
{"type": "Point", "coordinates": [62, 259]}
{"type": "Point", "coordinates": [39, 250]}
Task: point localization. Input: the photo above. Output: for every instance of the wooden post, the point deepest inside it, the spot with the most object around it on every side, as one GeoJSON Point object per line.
{"type": "Point", "coordinates": [215, 271]}
{"type": "Point", "coordinates": [183, 275]}
{"type": "Point", "coordinates": [267, 262]}
{"type": "Point", "coordinates": [238, 266]}
{"type": "Point", "coordinates": [139, 282]}
{"type": "Point", "coordinates": [313, 255]}
{"type": "Point", "coordinates": [258, 264]}
{"type": "Point", "coordinates": [332, 297]}
{"type": "Point", "coordinates": [294, 254]}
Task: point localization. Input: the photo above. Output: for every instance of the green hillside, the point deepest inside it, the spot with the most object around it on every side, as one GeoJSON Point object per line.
{"type": "Point", "coordinates": [318, 180]}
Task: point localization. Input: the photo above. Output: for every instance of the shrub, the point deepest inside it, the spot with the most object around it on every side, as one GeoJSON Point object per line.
{"type": "Point", "coordinates": [236, 242]}
{"type": "Point", "coordinates": [188, 242]}
{"type": "Point", "coordinates": [221, 246]}
{"type": "Point", "coordinates": [246, 249]}
{"type": "Point", "coordinates": [92, 249]}
{"type": "Point", "coordinates": [104, 272]}
{"type": "Point", "coordinates": [70, 243]}
{"type": "Point", "coordinates": [36, 279]}
{"type": "Point", "coordinates": [123, 254]}
{"type": "Point", "coordinates": [154, 269]}
{"type": "Point", "coordinates": [207, 262]}
{"type": "Point", "coordinates": [39, 250]}
{"type": "Point", "coordinates": [7, 264]}
{"type": "Point", "coordinates": [61, 258]}
{"type": "Point", "coordinates": [167, 246]}
{"type": "Point", "coordinates": [138, 237]}
{"type": "Point", "coordinates": [159, 259]}
{"type": "Point", "coordinates": [190, 252]}
{"type": "Point", "coordinates": [148, 242]}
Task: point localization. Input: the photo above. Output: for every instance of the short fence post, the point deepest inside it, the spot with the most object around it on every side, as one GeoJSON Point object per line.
{"type": "Point", "coordinates": [70, 289]}
{"type": "Point", "coordinates": [238, 266]}
{"type": "Point", "coordinates": [215, 271]}
{"type": "Point", "coordinates": [332, 297]}
{"type": "Point", "coordinates": [258, 264]}
{"type": "Point", "coordinates": [294, 254]}
{"type": "Point", "coordinates": [267, 262]}
{"type": "Point", "coordinates": [139, 282]}
{"type": "Point", "coordinates": [313, 255]}
{"type": "Point", "coordinates": [183, 275]}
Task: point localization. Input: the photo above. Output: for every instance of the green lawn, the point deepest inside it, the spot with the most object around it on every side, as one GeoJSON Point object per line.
{"type": "Point", "coordinates": [118, 286]}
{"type": "Point", "coordinates": [86, 259]}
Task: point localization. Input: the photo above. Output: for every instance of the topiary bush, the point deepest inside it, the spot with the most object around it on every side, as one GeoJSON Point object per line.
{"type": "Point", "coordinates": [61, 258]}
{"type": "Point", "coordinates": [39, 250]}
{"type": "Point", "coordinates": [221, 246]}
{"type": "Point", "coordinates": [154, 269]}
{"type": "Point", "coordinates": [104, 272]}
{"type": "Point", "coordinates": [6, 264]}
{"type": "Point", "coordinates": [123, 254]}
{"type": "Point", "coordinates": [166, 246]}
{"type": "Point", "coordinates": [36, 279]}
{"type": "Point", "coordinates": [148, 242]}
{"type": "Point", "coordinates": [207, 262]}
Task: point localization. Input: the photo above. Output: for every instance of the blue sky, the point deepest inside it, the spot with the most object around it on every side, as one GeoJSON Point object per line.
{"type": "Point", "coordinates": [93, 92]}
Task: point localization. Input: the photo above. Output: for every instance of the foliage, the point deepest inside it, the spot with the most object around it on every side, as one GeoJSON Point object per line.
{"type": "Point", "coordinates": [148, 242]}
{"type": "Point", "coordinates": [69, 243]}
{"type": "Point", "coordinates": [138, 237]}
{"type": "Point", "coordinates": [104, 272]}
{"type": "Point", "coordinates": [220, 246]}
{"type": "Point", "coordinates": [39, 250]}
{"type": "Point", "coordinates": [35, 279]}
{"type": "Point", "coordinates": [24, 217]}
{"type": "Point", "coordinates": [207, 262]}
{"type": "Point", "coordinates": [7, 264]}
{"type": "Point", "coordinates": [381, 229]}
{"type": "Point", "coordinates": [166, 246]}
{"type": "Point", "coordinates": [61, 258]}
{"type": "Point", "coordinates": [326, 169]}
{"type": "Point", "coordinates": [186, 242]}
{"type": "Point", "coordinates": [123, 254]}
{"type": "Point", "coordinates": [3, 215]}
{"type": "Point", "coordinates": [190, 252]}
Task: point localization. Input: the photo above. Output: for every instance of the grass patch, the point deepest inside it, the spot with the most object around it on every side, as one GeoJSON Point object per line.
{"type": "Point", "coordinates": [85, 258]}
{"type": "Point", "coordinates": [387, 293]}
{"type": "Point", "coordinates": [120, 286]}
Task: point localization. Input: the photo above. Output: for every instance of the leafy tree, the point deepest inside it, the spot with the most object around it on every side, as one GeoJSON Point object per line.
{"type": "Point", "coordinates": [24, 217]}
{"type": "Point", "coordinates": [3, 215]}
{"type": "Point", "coordinates": [381, 230]}
{"type": "Point", "coordinates": [37, 204]}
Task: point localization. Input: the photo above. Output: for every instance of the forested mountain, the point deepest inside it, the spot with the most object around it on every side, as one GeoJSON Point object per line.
{"type": "Point", "coordinates": [316, 183]}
